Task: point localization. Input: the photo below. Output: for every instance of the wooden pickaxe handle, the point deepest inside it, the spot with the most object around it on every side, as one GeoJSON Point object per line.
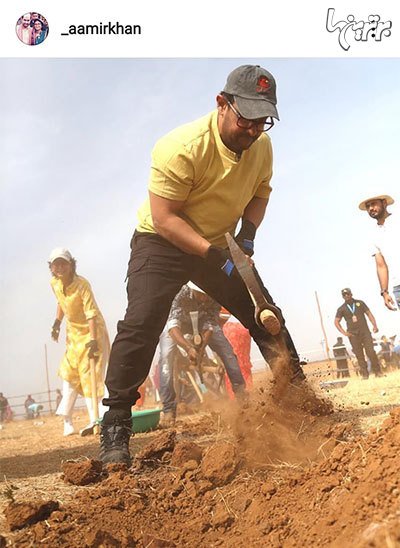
{"type": "Point", "coordinates": [269, 320]}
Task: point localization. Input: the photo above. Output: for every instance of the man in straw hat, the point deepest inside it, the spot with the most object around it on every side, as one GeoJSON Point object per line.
{"type": "Point", "coordinates": [205, 177]}
{"type": "Point", "coordinates": [385, 246]}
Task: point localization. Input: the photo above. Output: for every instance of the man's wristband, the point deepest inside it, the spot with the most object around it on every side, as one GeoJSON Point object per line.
{"type": "Point", "coordinates": [383, 292]}
{"type": "Point", "coordinates": [245, 238]}
{"type": "Point", "coordinates": [247, 230]}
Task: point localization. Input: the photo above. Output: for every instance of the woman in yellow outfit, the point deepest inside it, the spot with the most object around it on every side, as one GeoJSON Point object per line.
{"type": "Point", "coordinates": [87, 337]}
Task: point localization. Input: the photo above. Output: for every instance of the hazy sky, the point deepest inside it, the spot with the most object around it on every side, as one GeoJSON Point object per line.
{"type": "Point", "coordinates": [75, 145]}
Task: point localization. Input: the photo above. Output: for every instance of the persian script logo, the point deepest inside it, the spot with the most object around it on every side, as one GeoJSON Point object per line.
{"type": "Point", "coordinates": [362, 30]}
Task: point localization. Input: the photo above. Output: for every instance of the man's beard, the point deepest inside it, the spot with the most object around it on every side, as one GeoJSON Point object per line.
{"type": "Point", "coordinates": [380, 214]}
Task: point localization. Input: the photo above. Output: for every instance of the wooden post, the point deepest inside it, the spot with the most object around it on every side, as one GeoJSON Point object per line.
{"type": "Point", "coordinates": [323, 329]}
{"type": "Point", "coordinates": [47, 379]}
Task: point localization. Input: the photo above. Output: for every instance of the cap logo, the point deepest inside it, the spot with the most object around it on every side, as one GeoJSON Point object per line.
{"type": "Point", "coordinates": [263, 85]}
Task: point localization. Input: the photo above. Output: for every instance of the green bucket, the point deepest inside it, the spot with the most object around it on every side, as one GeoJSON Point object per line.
{"type": "Point", "coordinates": [146, 420]}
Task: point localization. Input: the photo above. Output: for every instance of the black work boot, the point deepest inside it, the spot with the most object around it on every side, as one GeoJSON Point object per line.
{"type": "Point", "coordinates": [114, 439]}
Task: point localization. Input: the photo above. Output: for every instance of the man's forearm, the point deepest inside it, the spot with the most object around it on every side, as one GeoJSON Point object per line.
{"type": "Point", "coordinates": [339, 327]}
{"type": "Point", "coordinates": [383, 276]}
{"type": "Point", "coordinates": [382, 271]}
{"type": "Point", "coordinates": [177, 336]}
{"type": "Point", "coordinates": [255, 211]}
{"type": "Point", "coordinates": [181, 234]}
{"type": "Point", "coordinates": [59, 313]}
{"type": "Point", "coordinates": [372, 319]}
{"type": "Point", "coordinates": [169, 224]}
{"type": "Point", "coordinates": [206, 337]}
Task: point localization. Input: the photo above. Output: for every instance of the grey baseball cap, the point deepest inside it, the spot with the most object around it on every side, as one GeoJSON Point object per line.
{"type": "Point", "coordinates": [254, 89]}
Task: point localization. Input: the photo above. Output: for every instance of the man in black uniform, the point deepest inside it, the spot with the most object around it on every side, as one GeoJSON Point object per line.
{"type": "Point", "coordinates": [340, 353]}
{"type": "Point", "coordinates": [354, 312]}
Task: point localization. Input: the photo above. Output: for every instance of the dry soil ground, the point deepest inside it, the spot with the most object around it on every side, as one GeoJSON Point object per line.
{"type": "Point", "coordinates": [273, 472]}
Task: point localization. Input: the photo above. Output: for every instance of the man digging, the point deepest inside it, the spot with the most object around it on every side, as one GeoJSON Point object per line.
{"type": "Point", "coordinates": [205, 177]}
{"type": "Point", "coordinates": [179, 331]}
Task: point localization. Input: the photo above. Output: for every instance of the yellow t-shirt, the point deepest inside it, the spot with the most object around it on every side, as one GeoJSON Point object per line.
{"type": "Point", "coordinates": [192, 164]}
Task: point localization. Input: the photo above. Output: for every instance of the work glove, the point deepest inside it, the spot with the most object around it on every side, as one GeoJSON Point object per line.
{"type": "Point", "coordinates": [93, 346]}
{"type": "Point", "coordinates": [218, 257]}
{"type": "Point", "coordinates": [245, 237]}
{"type": "Point", "coordinates": [55, 330]}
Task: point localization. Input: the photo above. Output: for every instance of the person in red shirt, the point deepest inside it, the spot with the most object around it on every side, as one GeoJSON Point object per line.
{"type": "Point", "coordinates": [240, 340]}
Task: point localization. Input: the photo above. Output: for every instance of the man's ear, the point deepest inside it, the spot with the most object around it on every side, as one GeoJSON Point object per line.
{"type": "Point", "coordinates": [221, 103]}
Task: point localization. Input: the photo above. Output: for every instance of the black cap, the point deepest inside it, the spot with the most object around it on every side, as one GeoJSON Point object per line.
{"type": "Point", "coordinates": [254, 89]}
{"type": "Point", "coordinates": [346, 291]}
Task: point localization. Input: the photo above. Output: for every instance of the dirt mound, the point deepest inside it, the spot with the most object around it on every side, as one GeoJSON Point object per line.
{"type": "Point", "coordinates": [102, 539]}
{"type": "Point", "coordinates": [271, 476]}
{"type": "Point", "coordinates": [186, 451]}
{"type": "Point", "coordinates": [22, 514]}
{"type": "Point", "coordinates": [155, 450]}
{"type": "Point", "coordinates": [82, 473]}
{"type": "Point", "coordinates": [219, 463]}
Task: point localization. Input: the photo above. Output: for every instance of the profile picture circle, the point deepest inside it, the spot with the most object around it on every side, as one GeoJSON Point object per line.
{"type": "Point", "coordinates": [32, 28]}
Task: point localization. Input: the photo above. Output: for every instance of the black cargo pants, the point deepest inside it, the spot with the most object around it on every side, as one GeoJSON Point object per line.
{"type": "Point", "coordinates": [359, 342]}
{"type": "Point", "coordinates": [156, 272]}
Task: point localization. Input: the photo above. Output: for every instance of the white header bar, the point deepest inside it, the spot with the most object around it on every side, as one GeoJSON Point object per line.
{"type": "Point", "coordinates": [178, 28]}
